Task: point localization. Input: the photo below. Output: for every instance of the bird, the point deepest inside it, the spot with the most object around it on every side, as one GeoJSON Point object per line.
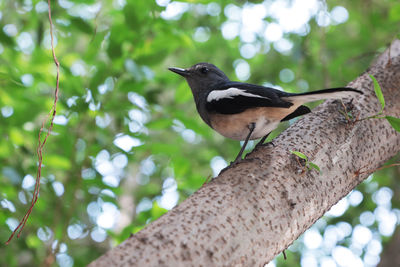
{"type": "Point", "coordinates": [244, 111]}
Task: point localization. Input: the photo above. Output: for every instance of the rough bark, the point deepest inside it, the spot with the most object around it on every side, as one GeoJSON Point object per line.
{"type": "Point", "coordinates": [253, 211]}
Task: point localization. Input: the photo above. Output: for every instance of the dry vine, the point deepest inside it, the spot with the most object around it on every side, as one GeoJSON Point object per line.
{"type": "Point", "coordinates": [41, 144]}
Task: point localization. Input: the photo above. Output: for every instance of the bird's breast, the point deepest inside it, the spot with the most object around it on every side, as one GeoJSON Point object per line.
{"type": "Point", "coordinates": [236, 126]}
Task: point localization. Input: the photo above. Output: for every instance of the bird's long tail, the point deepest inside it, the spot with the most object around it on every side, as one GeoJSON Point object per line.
{"type": "Point", "coordinates": [333, 93]}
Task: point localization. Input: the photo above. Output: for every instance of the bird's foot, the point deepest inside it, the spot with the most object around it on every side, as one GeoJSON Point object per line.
{"type": "Point", "coordinates": [261, 144]}
{"type": "Point", "coordinates": [239, 159]}
{"type": "Point", "coordinates": [232, 164]}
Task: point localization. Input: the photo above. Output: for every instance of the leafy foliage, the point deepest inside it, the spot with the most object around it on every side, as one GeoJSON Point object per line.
{"type": "Point", "coordinates": [128, 142]}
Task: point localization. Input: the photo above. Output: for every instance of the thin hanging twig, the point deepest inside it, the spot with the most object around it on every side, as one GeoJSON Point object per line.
{"type": "Point", "coordinates": [41, 144]}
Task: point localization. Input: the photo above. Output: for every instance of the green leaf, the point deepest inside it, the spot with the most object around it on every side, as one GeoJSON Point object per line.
{"type": "Point", "coordinates": [5, 39]}
{"type": "Point", "coordinates": [17, 137]}
{"type": "Point", "coordinates": [378, 92]}
{"type": "Point", "coordinates": [182, 93]}
{"type": "Point", "coordinates": [395, 122]}
{"type": "Point", "coordinates": [57, 161]}
{"type": "Point", "coordinates": [6, 78]}
{"type": "Point", "coordinates": [157, 211]}
{"type": "Point", "coordinates": [159, 124]}
{"type": "Point", "coordinates": [315, 166]}
{"type": "Point", "coordinates": [394, 13]}
{"type": "Point", "coordinates": [299, 154]}
{"type": "Point", "coordinates": [33, 241]}
{"type": "Point", "coordinates": [82, 25]}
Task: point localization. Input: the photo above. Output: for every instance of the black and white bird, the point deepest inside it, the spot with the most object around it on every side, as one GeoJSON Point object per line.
{"type": "Point", "coordinates": [243, 111]}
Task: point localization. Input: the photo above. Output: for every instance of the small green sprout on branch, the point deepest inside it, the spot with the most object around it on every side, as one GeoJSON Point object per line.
{"type": "Point", "coordinates": [308, 164]}
{"type": "Point", "coordinates": [378, 93]}
{"type": "Point", "coordinates": [394, 122]}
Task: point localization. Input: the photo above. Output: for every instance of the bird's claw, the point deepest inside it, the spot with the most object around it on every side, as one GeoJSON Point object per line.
{"type": "Point", "coordinates": [232, 164]}
{"type": "Point", "coordinates": [263, 144]}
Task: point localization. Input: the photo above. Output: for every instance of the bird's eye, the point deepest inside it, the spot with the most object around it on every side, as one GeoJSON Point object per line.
{"type": "Point", "coordinates": [204, 70]}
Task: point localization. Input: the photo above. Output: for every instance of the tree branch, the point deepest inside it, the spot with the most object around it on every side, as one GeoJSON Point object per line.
{"type": "Point", "coordinates": [255, 210]}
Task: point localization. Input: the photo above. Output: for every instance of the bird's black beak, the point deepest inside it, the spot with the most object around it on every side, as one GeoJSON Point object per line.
{"type": "Point", "coordinates": [180, 71]}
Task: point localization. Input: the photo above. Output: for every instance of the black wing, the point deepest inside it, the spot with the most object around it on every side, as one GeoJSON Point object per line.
{"type": "Point", "coordinates": [236, 97]}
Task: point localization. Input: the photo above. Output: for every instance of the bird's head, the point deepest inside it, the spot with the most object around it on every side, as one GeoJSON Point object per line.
{"type": "Point", "coordinates": [202, 76]}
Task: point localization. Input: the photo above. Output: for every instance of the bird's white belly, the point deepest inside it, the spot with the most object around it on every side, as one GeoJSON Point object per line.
{"type": "Point", "coordinates": [263, 127]}
{"type": "Point", "coordinates": [237, 126]}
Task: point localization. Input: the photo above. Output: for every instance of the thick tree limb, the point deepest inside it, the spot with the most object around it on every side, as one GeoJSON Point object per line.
{"type": "Point", "coordinates": [252, 212]}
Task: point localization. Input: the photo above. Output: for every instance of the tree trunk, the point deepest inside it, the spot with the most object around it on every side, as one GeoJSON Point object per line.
{"type": "Point", "coordinates": [253, 211]}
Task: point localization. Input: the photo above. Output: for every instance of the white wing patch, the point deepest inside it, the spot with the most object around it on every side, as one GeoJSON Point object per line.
{"type": "Point", "coordinates": [229, 93]}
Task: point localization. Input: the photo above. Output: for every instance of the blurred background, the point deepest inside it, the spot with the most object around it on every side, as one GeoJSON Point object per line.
{"type": "Point", "coordinates": [128, 145]}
